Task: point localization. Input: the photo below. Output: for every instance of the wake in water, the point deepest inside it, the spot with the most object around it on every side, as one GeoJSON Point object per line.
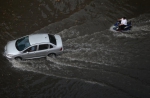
{"type": "Point", "coordinates": [95, 54]}
{"type": "Point", "coordinates": [140, 28]}
{"type": "Point", "coordinates": [84, 56]}
{"type": "Point", "coordinates": [86, 51]}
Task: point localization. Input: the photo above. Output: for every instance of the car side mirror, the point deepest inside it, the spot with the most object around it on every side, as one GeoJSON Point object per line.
{"type": "Point", "coordinates": [26, 52]}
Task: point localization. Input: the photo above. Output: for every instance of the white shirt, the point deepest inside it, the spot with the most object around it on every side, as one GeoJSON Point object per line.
{"type": "Point", "coordinates": [124, 21]}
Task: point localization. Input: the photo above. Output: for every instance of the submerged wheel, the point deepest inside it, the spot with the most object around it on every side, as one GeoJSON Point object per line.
{"type": "Point", "coordinates": [18, 58]}
{"type": "Point", "coordinates": [52, 55]}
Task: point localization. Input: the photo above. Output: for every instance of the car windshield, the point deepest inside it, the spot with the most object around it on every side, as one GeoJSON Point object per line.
{"type": "Point", "coordinates": [52, 39]}
{"type": "Point", "coordinates": [22, 43]}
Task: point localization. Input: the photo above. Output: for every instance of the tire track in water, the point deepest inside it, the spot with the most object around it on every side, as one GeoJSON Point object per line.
{"type": "Point", "coordinates": [83, 37]}
{"type": "Point", "coordinates": [102, 81]}
{"type": "Point", "coordinates": [107, 75]}
{"type": "Point", "coordinates": [85, 80]}
{"type": "Point", "coordinates": [82, 64]}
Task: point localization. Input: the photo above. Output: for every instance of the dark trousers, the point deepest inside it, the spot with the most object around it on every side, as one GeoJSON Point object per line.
{"type": "Point", "coordinates": [121, 27]}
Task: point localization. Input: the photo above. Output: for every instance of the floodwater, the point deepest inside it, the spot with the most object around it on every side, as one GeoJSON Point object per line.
{"type": "Point", "coordinates": [96, 63]}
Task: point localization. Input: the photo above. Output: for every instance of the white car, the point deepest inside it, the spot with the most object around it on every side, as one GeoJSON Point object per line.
{"type": "Point", "coordinates": [34, 46]}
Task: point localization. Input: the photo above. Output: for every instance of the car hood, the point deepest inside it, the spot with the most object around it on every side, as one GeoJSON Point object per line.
{"type": "Point", "coordinates": [10, 48]}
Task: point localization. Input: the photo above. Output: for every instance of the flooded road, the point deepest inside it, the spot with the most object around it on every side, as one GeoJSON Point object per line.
{"type": "Point", "coordinates": [96, 63]}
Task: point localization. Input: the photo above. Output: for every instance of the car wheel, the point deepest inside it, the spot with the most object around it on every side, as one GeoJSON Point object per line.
{"type": "Point", "coordinates": [18, 58]}
{"type": "Point", "coordinates": [52, 55]}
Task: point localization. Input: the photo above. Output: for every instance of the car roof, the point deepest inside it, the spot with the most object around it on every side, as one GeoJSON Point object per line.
{"type": "Point", "coordinates": [38, 38]}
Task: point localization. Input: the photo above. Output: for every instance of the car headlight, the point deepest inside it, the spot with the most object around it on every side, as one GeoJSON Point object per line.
{"type": "Point", "coordinates": [9, 55]}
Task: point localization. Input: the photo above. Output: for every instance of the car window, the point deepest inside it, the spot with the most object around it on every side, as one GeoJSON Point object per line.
{"type": "Point", "coordinates": [43, 46]}
{"type": "Point", "coordinates": [52, 39]}
{"type": "Point", "coordinates": [22, 43]}
{"type": "Point", "coordinates": [31, 49]}
{"type": "Point", "coordinates": [51, 46]}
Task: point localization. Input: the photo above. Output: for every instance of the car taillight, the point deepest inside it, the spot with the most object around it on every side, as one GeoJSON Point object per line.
{"type": "Point", "coordinates": [61, 49]}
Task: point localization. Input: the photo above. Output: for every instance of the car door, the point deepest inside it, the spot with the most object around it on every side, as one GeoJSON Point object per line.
{"type": "Point", "coordinates": [51, 49]}
{"type": "Point", "coordinates": [29, 52]}
{"type": "Point", "coordinates": [42, 50]}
